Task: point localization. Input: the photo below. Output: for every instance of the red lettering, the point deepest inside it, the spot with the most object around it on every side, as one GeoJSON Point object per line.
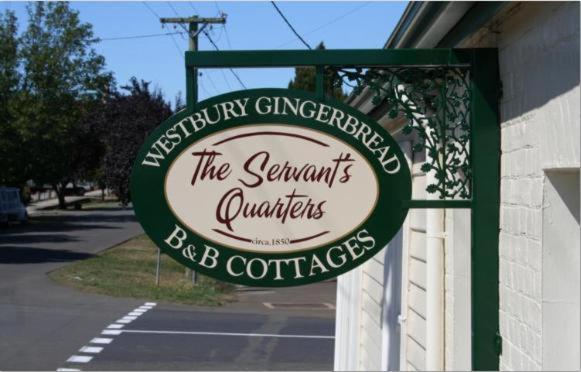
{"type": "Point", "coordinates": [206, 168]}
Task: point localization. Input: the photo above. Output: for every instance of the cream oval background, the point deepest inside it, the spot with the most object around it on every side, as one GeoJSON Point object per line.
{"type": "Point", "coordinates": [348, 204]}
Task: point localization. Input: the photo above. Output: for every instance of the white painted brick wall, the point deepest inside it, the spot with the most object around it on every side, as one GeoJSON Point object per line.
{"type": "Point", "coordinates": [539, 63]}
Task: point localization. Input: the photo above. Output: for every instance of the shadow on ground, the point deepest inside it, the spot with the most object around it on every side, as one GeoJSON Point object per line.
{"type": "Point", "coordinates": [45, 237]}
{"type": "Point", "coordinates": [28, 255]}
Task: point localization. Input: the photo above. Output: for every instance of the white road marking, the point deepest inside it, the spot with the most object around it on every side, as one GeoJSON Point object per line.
{"type": "Point", "coordinates": [67, 369]}
{"type": "Point", "coordinates": [225, 334]}
{"type": "Point", "coordinates": [112, 329]}
{"type": "Point", "coordinates": [268, 304]}
{"type": "Point", "coordinates": [111, 332]}
{"type": "Point", "coordinates": [80, 359]}
{"type": "Point", "coordinates": [101, 340]}
{"type": "Point", "coordinates": [91, 349]}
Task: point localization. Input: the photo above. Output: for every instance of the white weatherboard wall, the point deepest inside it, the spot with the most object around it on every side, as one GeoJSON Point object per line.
{"type": "Point", "coordinates": [539, 244]}
{"type": "Point", "coordinates": [381, 306]}
{"type": "Point", "coordinates": [413, 340]}
{"type": "Point", "coordinates": [539, 69]}
{"type": "Point", "coordinates": [369, 334]}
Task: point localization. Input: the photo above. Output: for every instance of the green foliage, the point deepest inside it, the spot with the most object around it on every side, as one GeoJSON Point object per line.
{"type": "Point", "coordinates": [305, 79]}
{"type": "Point", "coordinates": [62, 79]}
{"type": "Point", "coordinates": [11, 172]}
{"type": "Point", "coordinates": [61, 119]}
{"type": "Point", "coordinates": [128, 120]}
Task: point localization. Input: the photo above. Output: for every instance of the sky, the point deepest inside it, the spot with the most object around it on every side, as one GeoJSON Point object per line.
{"type": "Point", "coordinates": [250, 26]}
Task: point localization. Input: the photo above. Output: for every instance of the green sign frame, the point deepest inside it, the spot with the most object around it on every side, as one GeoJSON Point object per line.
{"type": "Point", "coordinates": [228, 261]}
{"type": "Point", "coordinates": [482, 64]}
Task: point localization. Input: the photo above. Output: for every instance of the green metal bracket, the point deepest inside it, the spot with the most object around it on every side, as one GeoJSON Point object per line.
{"type": "Point", "coordinates": [446, 204]}
{"type": "Point", "coordinates": [328, 57]}
{"type": "Point", "coordinates": [477, 132]}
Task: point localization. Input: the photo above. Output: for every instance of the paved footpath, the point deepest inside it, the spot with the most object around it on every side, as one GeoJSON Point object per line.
{"type": "Point", "coordinates": [44, 326]}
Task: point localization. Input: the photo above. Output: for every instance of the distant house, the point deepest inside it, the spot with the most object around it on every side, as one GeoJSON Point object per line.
{"type": "Point", "coordinates": [382, 321]}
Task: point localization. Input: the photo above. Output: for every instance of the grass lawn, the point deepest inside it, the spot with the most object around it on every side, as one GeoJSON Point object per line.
{"type": "Point", "coordinates": [128, 270]}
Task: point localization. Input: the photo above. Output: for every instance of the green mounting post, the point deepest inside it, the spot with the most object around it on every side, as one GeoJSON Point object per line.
{"type": "Point", "coordinates": [191, 87]}
{"type": "Point", "coordinates": [485, 152]}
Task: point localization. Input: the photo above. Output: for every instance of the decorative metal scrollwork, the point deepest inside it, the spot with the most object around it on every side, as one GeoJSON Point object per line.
{"type": "Point", "coordinates": [435, 103]}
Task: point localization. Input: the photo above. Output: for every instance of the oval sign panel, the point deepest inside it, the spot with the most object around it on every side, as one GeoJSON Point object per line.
{"type": "Point", "coordinates": [270, 187]}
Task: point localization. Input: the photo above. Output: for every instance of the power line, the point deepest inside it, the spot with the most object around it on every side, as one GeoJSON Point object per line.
{"type": "Point", "coordinates": [151, 9]}
{"type": "Point", "coordinates": [193, 7]}
{"type": "Point", "coordinates": [338, 18]}
{"type": "Point", "coordinates": [207, 75]}
{"type": "Point", "coordinates": [175, 43]}
{"type": "Point", "coordinates": [138, 36]}
{"type": "Point", "coordinates": [225, 79]}
{"type": "Point", "coordinates": [289, 25]}
{"type": "Point", "coordinates": [225, 24]}
{"type": "Point", "coordinates": [224, 29]}
{"type": "Point", "coordinates": [172, 8]}
{"type": "Point", "coordinates": [219, 37]}
{"type": "Point", "coordinates": [227, 37]}
{"type": "Point", "coordinates": [201, 85]}
{"type": "Point", "coordinates": [218, 49]}
{"type": "Point", "coordinates": [177, 15]}
{"type": "Point", "coordinates": [217, 6]}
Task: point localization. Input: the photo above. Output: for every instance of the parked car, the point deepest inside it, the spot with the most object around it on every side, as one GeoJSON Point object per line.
{"type": "Point", "coordinates": [11, 207]}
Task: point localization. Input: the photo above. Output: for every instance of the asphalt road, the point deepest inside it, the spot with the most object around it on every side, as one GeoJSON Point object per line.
{"type": "Point", "coordinates": [173, 339]}
{"type": "Point", "coordinates": [40, 321]}
{"type": "Point", "coordinates": [44, 326]}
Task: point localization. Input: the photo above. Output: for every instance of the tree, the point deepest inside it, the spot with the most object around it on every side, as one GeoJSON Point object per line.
{"type": "Point", "coordinates": [179, 104]}
{"type": "Point", "coordinates": [88, 138]}
{"type": "Point", "coordinates": [62, 76]}
{"type": "Point", "coordinates": [305, 79]}
{"type": "Point", "coordinates": [13, 170]}
{"type": "Point", "coordinates": [130, 119]}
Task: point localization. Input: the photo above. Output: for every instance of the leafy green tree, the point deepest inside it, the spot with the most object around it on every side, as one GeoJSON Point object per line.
{"type": "Point", "coordinates": [305, 79]}
{"type": "Point", "coordinates": [129, 119]}
{"type": "Point", "coordinates": [62, 74]}
{"type": "Point", "coordinates": [12, 169]}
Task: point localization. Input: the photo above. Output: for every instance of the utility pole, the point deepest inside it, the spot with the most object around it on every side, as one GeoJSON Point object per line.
{"type": "Point", "coordinates": [193, 32]}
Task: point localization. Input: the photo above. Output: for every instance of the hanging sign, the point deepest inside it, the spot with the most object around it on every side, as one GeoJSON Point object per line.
{"type": "Point", "coordinates": [270, 187]}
